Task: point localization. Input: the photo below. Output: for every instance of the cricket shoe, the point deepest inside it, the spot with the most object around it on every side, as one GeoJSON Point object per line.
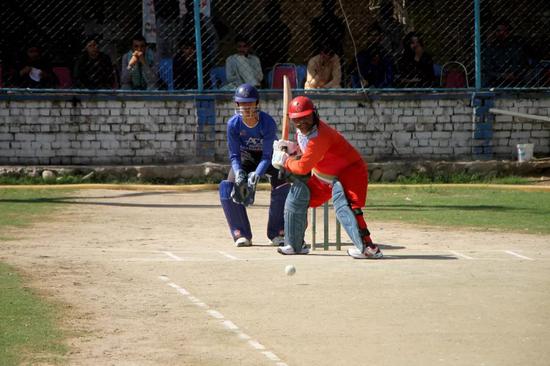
{"type": "Point", "coordinates": [289, 250]}
{"type": "Point", "coordinates": [370, 252]}
{"type": "Point", "coordinates": [278, 241]}
{"type": "Point", "coordinates": [242, 242]}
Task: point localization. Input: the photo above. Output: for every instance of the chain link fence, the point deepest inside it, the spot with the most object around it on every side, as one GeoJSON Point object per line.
{"type": "Point", "coordinates": [320, 44]}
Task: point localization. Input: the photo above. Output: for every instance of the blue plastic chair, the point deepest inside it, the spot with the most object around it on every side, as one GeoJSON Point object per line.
{"type": "Point", "coordinates": [217, 77]}
{"type": "Point", "coordinates": [302, 73]}
{"type": "Point", "coordinates": [166, 72]}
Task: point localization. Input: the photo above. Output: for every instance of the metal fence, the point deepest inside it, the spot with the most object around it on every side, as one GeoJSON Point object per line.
{"type": "Point", "coordinates": [321, 44]}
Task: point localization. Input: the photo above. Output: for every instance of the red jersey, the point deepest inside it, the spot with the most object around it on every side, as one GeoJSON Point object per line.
{"type": "Point", "coordinates": [325, 151]}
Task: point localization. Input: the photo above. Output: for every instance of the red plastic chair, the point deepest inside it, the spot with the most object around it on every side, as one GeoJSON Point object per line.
{"type": "Point", "coordinates": [454, 75]}
{"type": "Point", "coordinates": [63, 77]}
{"type": "Point", "coordinates": [279, 70]}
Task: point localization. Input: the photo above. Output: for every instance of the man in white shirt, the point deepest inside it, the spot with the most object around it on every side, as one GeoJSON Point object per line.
{"type": "Point", "coordinates": [243, 67]}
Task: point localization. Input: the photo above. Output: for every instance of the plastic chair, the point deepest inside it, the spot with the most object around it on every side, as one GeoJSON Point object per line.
{"type": "Point", "coordinates": [437, 71]}
{"type": "Point", "coordinates": [454, 78]}
{"type": "Point", "coordinates": [302, 74]}
{"type": "Point", "coordinates": [63, 75]}
{"type": "Point", "coordinates": [166, 72]}
{"type": "Point", "coordinates": [279, 70]}
{"type": "Point", "coordinates": [218, 77]}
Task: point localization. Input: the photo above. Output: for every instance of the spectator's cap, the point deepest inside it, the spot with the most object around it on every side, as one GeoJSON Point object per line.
{"type": "Point", "coordinates": [300, 107]}
{"type": "Point", "coordinates": [246, 93]}
{"type": "Point", "coordinates": [92, 37]}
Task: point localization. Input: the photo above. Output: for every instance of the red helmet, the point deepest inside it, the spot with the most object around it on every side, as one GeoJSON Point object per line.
{"type": "Point", "coordinates": [300, 107]}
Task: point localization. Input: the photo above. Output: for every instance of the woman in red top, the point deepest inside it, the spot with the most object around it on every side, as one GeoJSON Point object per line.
{"type": "Point", "coordinates": [337, 171]}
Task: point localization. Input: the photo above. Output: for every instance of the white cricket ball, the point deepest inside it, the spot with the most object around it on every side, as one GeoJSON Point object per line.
{"type": "Point", "coordinates": [290, 270]}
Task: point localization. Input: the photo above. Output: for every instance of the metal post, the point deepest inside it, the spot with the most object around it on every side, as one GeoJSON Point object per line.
{"type": "Point", "coordinates": [338, 234]}
{"type": "Point", "coordinates": [477, 42]}
{"type": "Point", "coordinates": [325, 222]}
{"type": "Point", "coordinates": [313, 227]}
{"type": "Point", "coordinates": [198, 43]}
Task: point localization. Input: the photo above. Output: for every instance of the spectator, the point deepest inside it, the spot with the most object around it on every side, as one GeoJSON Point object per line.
{"type": "Point", "coordinates": [35, 70]}
{"type": "Point", "coordinates": [185, 66]}
{"type": "Point", "coordinates": [323, 70]}
{"type": "Point", "coordinates": [504, 59]}
{"type": "Point", "coordinates": [243, 67]}
{"type": "Point", "coordinates": [416, 67]}
{"type": "Point", "coordinates": [375, 69]}
{"type": "Point", "coordinates": [139, 71]}
{"type": "Point", "coordinates": [328, 29]}
{"type": "Point", "coordinates": [94, 69]}
{"type": "Point", "coordinates": [272, 37]}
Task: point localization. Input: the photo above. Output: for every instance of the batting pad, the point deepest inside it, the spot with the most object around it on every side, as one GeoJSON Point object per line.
{"type": "Point", "coordinates": [295, 211]}
{"type": "Point", "coordinates": [345, 215]}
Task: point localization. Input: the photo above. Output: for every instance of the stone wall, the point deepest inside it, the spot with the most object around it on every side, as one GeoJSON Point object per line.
{"type": "Point", "coordinates": [82, 129]}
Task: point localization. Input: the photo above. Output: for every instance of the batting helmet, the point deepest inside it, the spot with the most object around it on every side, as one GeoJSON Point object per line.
{"type": "Point", "coordinates": [300, 107]}
{"type": "Point", "coordinates": [246, 93]}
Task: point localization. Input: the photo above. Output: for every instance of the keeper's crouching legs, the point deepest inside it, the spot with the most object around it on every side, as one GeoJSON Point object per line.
{"type": "Point", "coordinates": [235, 213]}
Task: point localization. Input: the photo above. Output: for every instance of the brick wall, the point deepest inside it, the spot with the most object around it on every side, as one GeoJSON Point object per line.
{"type": "Point", "coordinates": [152, 129]}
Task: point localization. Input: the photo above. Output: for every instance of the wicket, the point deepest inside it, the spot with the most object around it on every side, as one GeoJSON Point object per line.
{"type": "Point", "coordinates": [326, 242]}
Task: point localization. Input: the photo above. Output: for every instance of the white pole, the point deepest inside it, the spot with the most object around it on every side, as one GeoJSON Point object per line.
{"type": "Point", "coordinates": [518, 114]}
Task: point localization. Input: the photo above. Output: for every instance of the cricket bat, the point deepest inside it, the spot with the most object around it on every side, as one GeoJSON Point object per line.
{"type": "Point", "coordinates": [285, 128]}
{"type": "Point", "coordinates": [287, 97]}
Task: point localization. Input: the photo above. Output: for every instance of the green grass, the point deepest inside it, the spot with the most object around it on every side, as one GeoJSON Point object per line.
{"type": "Point", "coordinates": [461, 178]}
{"type": "Point", "coordinates": [28, 331]}
{"type": "Point", "coordinates": [481, 208]}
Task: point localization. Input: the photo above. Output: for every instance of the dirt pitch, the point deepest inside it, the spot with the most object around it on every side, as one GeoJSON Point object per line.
{"type": "Point", "coordinates": [151, 278]}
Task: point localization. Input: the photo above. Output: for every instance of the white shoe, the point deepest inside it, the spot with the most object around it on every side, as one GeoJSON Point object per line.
{"type": "Point", "coordinates": [289, 250]}
{"type": "Point", "coordinates": [242, 242]}
{"type": "Point", "coordinates": [278, 241]}
{"type": "Point", "coordinates": [368, 253]}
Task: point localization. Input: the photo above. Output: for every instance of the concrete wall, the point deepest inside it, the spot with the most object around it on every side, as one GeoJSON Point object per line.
{"type": "Point", "coordinates": [151, 129]}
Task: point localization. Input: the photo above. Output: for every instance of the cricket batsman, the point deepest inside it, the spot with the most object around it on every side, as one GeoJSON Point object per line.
{"type": "Point", "coordinates": [324, 165]}
{"type": "Point", "coordinates": [250, 137]}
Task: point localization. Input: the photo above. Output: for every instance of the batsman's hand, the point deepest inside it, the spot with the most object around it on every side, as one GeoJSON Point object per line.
{"type": "Point", "coordinates": [291, 146]}
{"type": "Point", "coordinates": [278, 159]}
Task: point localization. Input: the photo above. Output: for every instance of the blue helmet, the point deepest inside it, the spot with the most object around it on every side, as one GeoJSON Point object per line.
{"type": "Point", "coordinates": [246, 93]}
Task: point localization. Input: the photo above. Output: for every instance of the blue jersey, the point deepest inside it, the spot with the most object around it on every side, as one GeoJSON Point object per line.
{"type": "Point", "coordinates": [257, 139]}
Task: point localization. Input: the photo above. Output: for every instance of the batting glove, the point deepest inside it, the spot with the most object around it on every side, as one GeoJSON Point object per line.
{"type": "Point", "coordinates": [291, 146]}
{"type": "Point", "coordinates": [278, 159]}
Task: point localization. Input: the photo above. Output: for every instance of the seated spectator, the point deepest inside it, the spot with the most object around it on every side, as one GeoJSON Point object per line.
{"type": "Point", "coordinates": [93, 69]}
{"type": "Point", "coordinates": [416, 66]}
{"type": "Point", "coordinates": [35, 71]}
{"type": "Point", "coordinates": [375, 69]}
{"type": "Point", "coordinates": [243, 67]}
{"type": "Point", "coordinates": [185, 66]}
{"type": "Point", "coordinates": [323, 70]}
{"type": "Point", "coordinates": [139, 71]}
{"type": "Point", "coordinates": [504, 59]}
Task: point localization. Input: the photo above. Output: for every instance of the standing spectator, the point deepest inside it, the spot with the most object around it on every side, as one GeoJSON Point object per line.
{"type": "Point", "coordinates": [323, 70]}
{"type": "Point", "coordinates": [93, 69]}
{"type": "Point", "coordinates": [35, 71]}
{"type": "Point", "coordinates": [243, 67]}
{"type": "Point", "coordinates": [185, 66]}
{"type": "Point", "coordinates": [272, 37]}
{"type": "Point", "coordinates": [504, 59]}
{"type": "Point", "coordinates": [375, 68]}
{"type": "Point", "coordinates": [139, 71]}
{"type": "Point", "coordinates": [416, 66]}
{"type": "Point", "coordinates": [328, 29]}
